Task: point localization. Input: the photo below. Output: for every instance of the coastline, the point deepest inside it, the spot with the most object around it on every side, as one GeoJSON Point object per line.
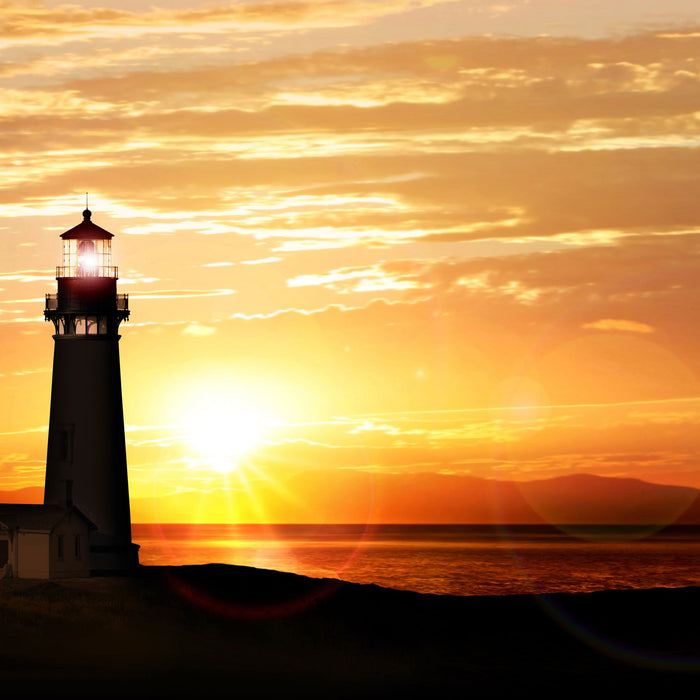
{"type": "Point", "coordinates": [217, 629]}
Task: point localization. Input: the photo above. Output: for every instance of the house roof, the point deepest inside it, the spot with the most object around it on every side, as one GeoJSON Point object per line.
{"type": "Point", "coordinates": [37, 517]}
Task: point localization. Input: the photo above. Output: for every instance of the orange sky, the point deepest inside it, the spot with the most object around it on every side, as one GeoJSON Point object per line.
{"type": "Point", "coordinates": [446, 236]}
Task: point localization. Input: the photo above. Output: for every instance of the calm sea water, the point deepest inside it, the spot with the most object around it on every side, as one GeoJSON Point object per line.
{"type": "Point", "coordinates": [447, 559]}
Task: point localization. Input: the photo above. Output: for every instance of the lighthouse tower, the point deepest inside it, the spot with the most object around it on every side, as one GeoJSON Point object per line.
{"type": "Point", "coordinates": [86, 455]}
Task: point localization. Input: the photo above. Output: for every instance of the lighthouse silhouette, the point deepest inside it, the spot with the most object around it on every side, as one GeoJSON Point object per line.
{"type": "Point", "coordinates": [86, 453]}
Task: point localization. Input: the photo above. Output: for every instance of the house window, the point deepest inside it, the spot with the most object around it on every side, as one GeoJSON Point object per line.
{"type": "Point", "coordinates": [60, 547]}
{"type": "Point", "coordinates": [77, 546]}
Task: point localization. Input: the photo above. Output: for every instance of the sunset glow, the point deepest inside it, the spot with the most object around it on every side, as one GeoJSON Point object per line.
{"type": "Point", "coordinates": [221, 430]}
{"type": "Point", "coordinates": [362, 241]}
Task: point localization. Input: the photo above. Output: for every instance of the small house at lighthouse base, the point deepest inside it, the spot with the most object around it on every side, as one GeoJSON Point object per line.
{"type": "Point", "coordinates": [44, 541]}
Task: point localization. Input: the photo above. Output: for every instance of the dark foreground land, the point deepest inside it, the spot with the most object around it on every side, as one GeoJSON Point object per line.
{"type": "Point", "coordinates": [220, 631]}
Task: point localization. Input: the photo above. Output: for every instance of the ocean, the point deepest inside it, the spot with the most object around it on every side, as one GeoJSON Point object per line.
{"type": "Point", "coordinates": [443, 559]}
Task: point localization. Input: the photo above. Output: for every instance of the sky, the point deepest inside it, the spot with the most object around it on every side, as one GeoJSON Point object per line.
{"type": "Point", "coordinates": [361, 239]}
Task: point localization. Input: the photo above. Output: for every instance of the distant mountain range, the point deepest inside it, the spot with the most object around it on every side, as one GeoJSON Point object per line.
{"type": "Point", "coordinates": [456, 498]}
{"type": "Point", "coordinates": [574, 499]}
{"type": "Point", "coordinates": [353, 496]}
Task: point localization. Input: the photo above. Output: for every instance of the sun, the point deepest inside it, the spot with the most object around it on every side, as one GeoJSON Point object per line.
{"type": "Point", "coordinates": [222, 428]}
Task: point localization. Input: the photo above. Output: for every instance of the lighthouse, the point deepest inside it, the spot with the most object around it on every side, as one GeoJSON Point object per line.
{"type": "Point", "coordinates": [86, 453]}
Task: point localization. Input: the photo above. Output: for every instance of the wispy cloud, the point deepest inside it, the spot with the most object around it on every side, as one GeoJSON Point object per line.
{"type": "Point", "coordinates": [181, 293]}
{"type": "Point", "coordinates": [262, 261]}
{"type": "Point", "coordinates": [25, 21]}
{"type": "Point", "coordinates": [617, 324]}
{"type": "Point", "coordinates": [346, 280]}
{"type": "Point", "coordinates": [27, 276]}
{"type": "Point", "coordinates": [198, 330]}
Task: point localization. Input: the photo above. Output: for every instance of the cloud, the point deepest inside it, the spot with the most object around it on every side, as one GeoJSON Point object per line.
{"type": "Point", "coordinates": [198, 330]}
{"type": "Point", "coordinates": [42, 429]}
{"type": "Point", "coordinates": [476, 81]}
{"type": "Point", "coordinates": [471, 139]}
{"type": "Point", "coordinates": [615, 324]}
{"type": "Point", "coordinates": [345, 280]}
{"type": "Point", "coordinates": [262, 261]}
{"type": "Point", "coordinates": [573, 193]}
{"type": "Point", "coordinates": [24, 21]}
{"type": "Point", "coordinates": [625, 272]}
{"type": "Point", "coordinates": [181, 293]}
{"type": "Point", "coordinates": [27, 276]}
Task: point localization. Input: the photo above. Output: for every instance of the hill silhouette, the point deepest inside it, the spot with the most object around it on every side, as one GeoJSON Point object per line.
{"type": "Point", "coordinates": [217, 631]}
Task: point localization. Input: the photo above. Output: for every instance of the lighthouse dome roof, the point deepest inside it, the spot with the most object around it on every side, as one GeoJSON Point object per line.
{"type": "Point", "coordinates": [86, 229]}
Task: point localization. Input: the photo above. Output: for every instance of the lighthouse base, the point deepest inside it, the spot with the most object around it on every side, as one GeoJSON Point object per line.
{"type": "Point", "coordinates": [113, 559]}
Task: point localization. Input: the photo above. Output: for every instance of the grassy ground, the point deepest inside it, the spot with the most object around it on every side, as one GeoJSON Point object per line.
{"type": "Point", "coordinates": [218, 631]}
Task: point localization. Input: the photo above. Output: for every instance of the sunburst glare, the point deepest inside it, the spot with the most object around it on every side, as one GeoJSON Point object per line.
{"type": "Point", "coordinates": [222, 428]}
